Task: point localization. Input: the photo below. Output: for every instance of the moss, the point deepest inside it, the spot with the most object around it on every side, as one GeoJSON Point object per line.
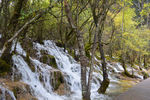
{"type": "Point", "coordinates": [59, 43]}
{"type": "Point", "coordinates": [98, 57]}
{"type": "Point", "coordinates": [4, 67]}
{"type": "Point", "coordinates": [43, 52]}
{"type": "Point", "coordinates": [108, 58]}
{"type": "Point", "coordinates": [27, 45]}
{"type": "Point", "coordinates": [44, 59]}
{"type": "Point", "coordinates": [50, 60]}
{"type": "Point", "coordinates": [58, 79]}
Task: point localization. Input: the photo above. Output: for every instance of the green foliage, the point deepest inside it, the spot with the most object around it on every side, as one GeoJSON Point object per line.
{"type": "Point", "coordinates": [129, 23]}
{"type": "Point", "coordinates": [146, 9]}
{"type": "Point", "coordinates": [133, 38]}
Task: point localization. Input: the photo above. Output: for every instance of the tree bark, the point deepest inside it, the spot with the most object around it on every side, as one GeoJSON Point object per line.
{"type": "Point", "coordinates": [92, 64]}
{"type": "Point", "coordinates": [99, 20]}
{"type": "Point", "coordinates": [83, 58]}
{"type": "Point", "coordinates": [106, 81]}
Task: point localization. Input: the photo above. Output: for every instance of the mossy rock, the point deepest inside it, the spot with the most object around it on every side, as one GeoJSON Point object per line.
{"type": "Point", "coordinates": [43, 52]}
{"type": "Point", "coordinates": [4, 67]}
{"type": "Point", "coordinates": [50, 60]}
{"type": "Point", "coordinates": [56, 79]}
{"type": "Point", "coordinates": [59, 43]}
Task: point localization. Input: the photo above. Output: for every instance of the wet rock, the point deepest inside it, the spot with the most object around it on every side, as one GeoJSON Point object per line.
{"type": "Point", "coordinates": [48, 59]}
{"type": "Point", "coordinates": [56, 79]}
{"type": "Point", "coordinates": [59, 43]}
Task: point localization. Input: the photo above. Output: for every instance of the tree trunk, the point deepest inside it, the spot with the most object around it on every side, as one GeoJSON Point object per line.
{"type": "Point", "coordinates": [106, 81]}
{"type": "Point", "coordinates": [99, 20]}
{"type": "Point", "coordinates": [92, 64]}
{"type": "Point", "coordinates": [83, 58]}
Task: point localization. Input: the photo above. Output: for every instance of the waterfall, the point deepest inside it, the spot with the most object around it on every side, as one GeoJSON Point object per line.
{"type": "Point", "coordinates": [32, 79]}
{"type": "Point", "coordinates": [70, 68]}
{"type": "Point", "coordinates": [66, 64]}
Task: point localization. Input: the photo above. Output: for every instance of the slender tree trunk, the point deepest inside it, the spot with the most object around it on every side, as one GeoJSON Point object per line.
{"type": "Point", "coordinates": [92, 64]}
{"type": "Point", "coordinates": [83, 58]}
{"type": "Point", "coordinates": [106, 81]}
{"type": "Point", "coordinates": [99, 20]}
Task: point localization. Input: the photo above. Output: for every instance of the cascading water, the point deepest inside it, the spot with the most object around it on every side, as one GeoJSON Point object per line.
{"type": "Point", "coordinates": [43, 90]}
{"type": "Point", "coordinates": [66, 64]}
{"type": "Point", "coordinates": [70, 67]}
{"type": "Point", "coordinates": [32, 79]}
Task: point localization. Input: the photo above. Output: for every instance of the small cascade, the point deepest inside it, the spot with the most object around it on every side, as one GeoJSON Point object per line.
{"type": "Point", "coordinates": [65, 63]}
{"type": "Point", "coordinates": [40, 90]}
{"type": "Point", "coordinates": [6, 94]}
{"type": "Point", "coordinates": [72, 70]}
